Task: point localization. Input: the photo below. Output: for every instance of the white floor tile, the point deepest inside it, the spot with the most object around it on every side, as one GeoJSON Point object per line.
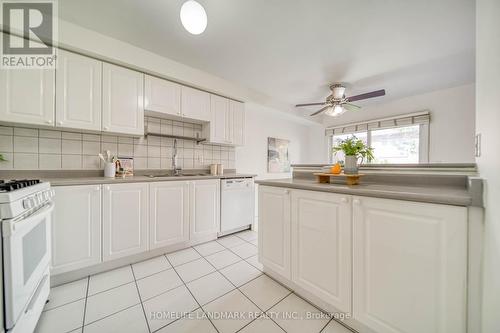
{"type": "Point", "coordinates": [62, 319]}
{"type": "Point", "coordinates": [67, 293]}
{"type": "Point", "coordinates": [262, 325]}
{"type": "Point", "coordinates": [209, 287]}
{"type": "Point", "coordinates": [240, 273]}
{"type": "Point", "coordinates": [234, 302]}
{"type": "Point", "coordinates": [174, 303]}
{"type": "Point", "coordinates": [150, 267]}
{"type": "Point", "coordinates": [131, 320]}
{"type": "Point", "coordinates": [230, 241]}
{"type": "Point", "coordinates": [110, 302]}
{"type": "Point", "coordinates": [264, 291]}
{"type": "Point", "coordinates": [334, 327]}
{"type": "Point", "coordinates": [248, 235]}
{"type": "Point", "coordinates": [209, 248]}
{"type": "Point", "coordinates": [254, 261]}
{"type": "Point", "coordinates": [223, 259]}
{"type": "Point", "coordinates": [301, 323]}
{"type": "Point", "coordinates": [194, 269]}
{"type": "Point", "coordinates": [182, 256]}
{"type": "Point", "coordinates": [194, 322]}
{"type": "Point", "coordinates": [111, 279]}
{"type": "Point", "coordinates": [254, 242]}
{"type": "Point", "coordinates": [158, 283]}
{"type": "Point", "coordinates": [245, 250]}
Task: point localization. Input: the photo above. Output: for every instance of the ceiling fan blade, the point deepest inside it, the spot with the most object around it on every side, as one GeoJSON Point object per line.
{"type": "Point", "coordinates": [309, 104]}
{"type": "Point", "coordinates": [372, 94]}
{"type": "Point", "coordinates": [318, 112]}
{"type": "Point", "coordinates": [351, 107]}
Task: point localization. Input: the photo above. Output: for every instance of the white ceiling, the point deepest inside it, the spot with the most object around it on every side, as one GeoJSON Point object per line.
{"type": "Point", "coordinates": [292, 50]}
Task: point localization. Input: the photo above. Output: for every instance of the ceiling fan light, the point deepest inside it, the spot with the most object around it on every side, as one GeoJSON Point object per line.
{"type": "Point", "coordinates": [338, 92]}
{"type": "Point", "coordinates": [193, 17]}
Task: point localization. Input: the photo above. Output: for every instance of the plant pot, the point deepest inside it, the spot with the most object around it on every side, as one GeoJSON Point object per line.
{"type": "Point", "coordinates": [351, 165]}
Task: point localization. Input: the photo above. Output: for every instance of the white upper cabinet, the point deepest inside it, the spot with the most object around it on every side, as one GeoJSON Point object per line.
{"type": "Point", "coordinates": [321, 246]}
{"type": "Point", "coordinates": [204, 209]}
{"type": "Point", "coordinates": [76, 228]}
{"type": "Point", "coordinates": [162, 96]}
{"type": "Point", "coordinates": [219, 131]}
{"type": "Point", "coordinates": [125, 220]}
{"type": "Point", "coordinates": [410, 266]}
{"type": "Point", "coordinates": [78, 92]}
{"type": "Point", "coordinates": [168, 213]}
{"type": "Point", "coordinates": [274, 229]}
{"type": "Point", "coordinates": [195, 104]}
{"type": "Point", "coordinates": [123, 96]}
{"type": "Point", "coordinates": [237, 134]}
{"type": "Point", "coordinates": [27, 96]}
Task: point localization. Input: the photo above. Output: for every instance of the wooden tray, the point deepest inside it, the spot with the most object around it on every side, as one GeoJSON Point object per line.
{"type": "Point", "coordinates": [324, 178]}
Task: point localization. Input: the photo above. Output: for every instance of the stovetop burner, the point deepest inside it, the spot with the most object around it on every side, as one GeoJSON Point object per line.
{"type": "Point", "coordinates": [12, 185]}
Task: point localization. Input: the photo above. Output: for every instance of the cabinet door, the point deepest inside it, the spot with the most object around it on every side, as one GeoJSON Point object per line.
{"type": "Point", "coordinates": [162, 96]}
{"type": "Point", "coordinates": [274, 229]}
{"type": "Point", "coordinates": [168, 213]}
{"type": "Point", "coordinates": [27, 96]}
{"type": "Point", "coordinates": [219, 132]}
{"type": "Point", "coordinates": [409, 266]}
{"type": "Point", "coordinates": [78, 87]}
{"type": "Point", "coordinates": [205, 208]}
{"type": "Point", "coordinates": [237, 110]}
{"type": "Point", "coordinates": [321, 246]}
{"type": "Point", "coordinates": [122, 110]}
{"type": "Point", "coordinates": [125, 220]}
{"type": "Point", "coordinates": [76, 228]}
{"type": "Point", "coordinates": [195, 104]}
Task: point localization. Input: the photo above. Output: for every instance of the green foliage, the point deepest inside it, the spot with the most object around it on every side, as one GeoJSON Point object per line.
{"type": "Point", "coordinates": [354, 147]}
{"type": "Point", "coordinates": [2, 159]}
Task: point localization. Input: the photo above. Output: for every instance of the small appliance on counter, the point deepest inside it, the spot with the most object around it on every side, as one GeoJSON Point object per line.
{"type": "Point", "coordinates": [237, 205]}
{"type": "Point", "coordinates": [25, 216]}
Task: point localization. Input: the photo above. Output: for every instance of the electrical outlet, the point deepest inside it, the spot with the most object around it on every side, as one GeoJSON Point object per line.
{"type": "Point", "coordinates": [477, 145]}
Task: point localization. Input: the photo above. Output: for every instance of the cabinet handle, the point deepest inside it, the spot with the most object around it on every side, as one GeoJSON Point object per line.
{"type": "Point", "coordinates": [105, 128]}
{"type": "Point", "coordinates": [59, 123]}
{"type": "Point", "coordinates": [97, 188]}
{"type": "Point", "coordinates": [107, 188]}
{"type": "Point", "coordinates": [48, 121]}
{"type": "Point", "coordinates": [356, 201]}
{"type": "Point", "coordinates": [287, 191]}
{"type": "Point", "coordinates": [344, 200]}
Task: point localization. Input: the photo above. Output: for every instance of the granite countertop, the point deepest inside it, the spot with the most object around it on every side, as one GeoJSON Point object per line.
{"type": "Point", "coordinates": [68, 181]}
{"type": "Point", "coordinates": [449, 195]}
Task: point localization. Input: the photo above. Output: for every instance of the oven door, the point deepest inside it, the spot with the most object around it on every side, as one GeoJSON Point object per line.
{"type": "Point", "coordinates": [26, 256]}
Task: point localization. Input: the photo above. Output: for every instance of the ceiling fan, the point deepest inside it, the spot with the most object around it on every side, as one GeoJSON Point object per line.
{"type": "Point", "coordinates": [337, 104]}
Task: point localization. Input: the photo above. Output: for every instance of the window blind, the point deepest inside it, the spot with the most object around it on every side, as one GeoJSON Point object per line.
{"type": "Point", "coordinates": [397, 121]}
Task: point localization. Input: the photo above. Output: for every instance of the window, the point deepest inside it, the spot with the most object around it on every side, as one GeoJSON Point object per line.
{"type": "Point", "coordinates": [394, 145]}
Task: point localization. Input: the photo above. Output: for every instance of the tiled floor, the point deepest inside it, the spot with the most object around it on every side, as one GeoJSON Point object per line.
{"type": "Point", "coordinates": [212, 287]}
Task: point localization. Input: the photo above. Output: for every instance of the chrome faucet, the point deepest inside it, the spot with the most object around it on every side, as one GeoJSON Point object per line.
{"type": "Point", "coordinates": [175, 167]}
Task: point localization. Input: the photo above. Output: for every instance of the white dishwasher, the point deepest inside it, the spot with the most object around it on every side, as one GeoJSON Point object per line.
{"type": "Point", "coordinates": [237, 204]}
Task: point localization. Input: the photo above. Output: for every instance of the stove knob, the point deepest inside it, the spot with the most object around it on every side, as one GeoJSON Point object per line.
{"type": "Point", "coordinates": [28, 203]}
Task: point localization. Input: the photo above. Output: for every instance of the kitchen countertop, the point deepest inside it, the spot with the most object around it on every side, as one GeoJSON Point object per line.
{"type": "Point", "coordinates": [449, 195]}
{"type": "Point", "coordinates": [68, 181]}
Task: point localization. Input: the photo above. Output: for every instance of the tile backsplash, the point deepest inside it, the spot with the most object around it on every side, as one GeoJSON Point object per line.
{"type": "Point", "coordinates": [41, 149]}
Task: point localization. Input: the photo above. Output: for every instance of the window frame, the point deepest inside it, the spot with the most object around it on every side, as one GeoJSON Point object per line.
{"type": "Point", "coordinates": [423, 149]}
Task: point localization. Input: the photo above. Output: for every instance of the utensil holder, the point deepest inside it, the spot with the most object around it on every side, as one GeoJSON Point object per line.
{"type": "Point", "coordinates": [109, 170]}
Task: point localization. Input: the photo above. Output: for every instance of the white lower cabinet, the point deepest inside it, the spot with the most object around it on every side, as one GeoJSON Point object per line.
{"type": "Point", "coordinates": [76, 228]}
{"type": "Point", "coordinates": [321, 246]}
{"type": "Point", "coordinates": [168, 213]}
{"type": "Point", "coordinates": [204, 208]}
{"type": "Point", "coordinates": [410, 264]}
{"type": "Point", "coordinates": [274, 229]}
{"type": "Point", "coordinates": [125, 220]}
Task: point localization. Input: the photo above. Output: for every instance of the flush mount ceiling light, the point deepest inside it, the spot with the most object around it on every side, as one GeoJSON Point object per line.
{"type": "Point", "coordinates": [193, 17]}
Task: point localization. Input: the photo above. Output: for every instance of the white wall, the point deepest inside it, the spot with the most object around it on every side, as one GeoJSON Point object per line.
{"type": "Point", "coordinates": [261, 123]}
{"type": "Point", "coordinates": [452, 120]}
{"type": "Point", "coordinates": [488, 123]}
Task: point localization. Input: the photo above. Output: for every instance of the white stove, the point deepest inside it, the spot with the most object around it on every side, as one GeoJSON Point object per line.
{"type": "Point", "coordinates": [25, 214]}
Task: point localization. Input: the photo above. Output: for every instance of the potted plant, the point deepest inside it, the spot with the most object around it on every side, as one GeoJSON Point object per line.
{"type": "Point", "coordinates": [353, 149]}
{"type": "Point", "coordinates": [2, 159]}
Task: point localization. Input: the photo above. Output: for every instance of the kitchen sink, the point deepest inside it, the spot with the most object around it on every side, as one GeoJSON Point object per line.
{"type": "Point", "coordinates": [180, 175]}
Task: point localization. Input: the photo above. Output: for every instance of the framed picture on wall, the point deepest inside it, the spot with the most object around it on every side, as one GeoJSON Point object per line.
{"type": "Point", "coordinates": [277, 155]}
